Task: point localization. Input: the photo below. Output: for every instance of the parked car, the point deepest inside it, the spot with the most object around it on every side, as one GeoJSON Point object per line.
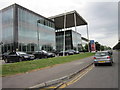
{"type": "Point", "coordinates": [4, 55]}
{"type": "Point", "coordinates": [40, 54]}
{"type": "Point", "coordinates": [74, 52]}
{"type": "Point", "coordinates": [68, 52]}
{"type": "Point", "coordinates": [110, 51]}
{"type": "Point", "coordinates": [102, 58]}
{"type": "Point", "coordinates": [50, 54]}
{"type": "Point", "coordinates": [43, 54]}
{"type": "Point", "coordinates": [18, 56]}
{"type": "Point", "coordinates": [61, 53]}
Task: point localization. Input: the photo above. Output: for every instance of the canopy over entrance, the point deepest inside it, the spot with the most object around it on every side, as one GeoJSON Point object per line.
{"type": "Point", "coordinates": [70, 20]}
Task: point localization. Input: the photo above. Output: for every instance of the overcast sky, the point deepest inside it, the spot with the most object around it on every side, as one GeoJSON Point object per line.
{"type": "Point", "coordinates": [101, 15]}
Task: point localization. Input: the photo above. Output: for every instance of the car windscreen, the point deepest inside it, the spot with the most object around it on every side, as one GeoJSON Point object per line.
{"type": "Point", "coordinates": [12, 53]}
{"type": "Point", "coordinates": [21, 53]}
{"type": "Point", "coordinates": [101, 54]}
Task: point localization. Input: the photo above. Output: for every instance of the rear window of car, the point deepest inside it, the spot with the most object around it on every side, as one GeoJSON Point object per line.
{"type": "Point", "coordinates": [101, 54]}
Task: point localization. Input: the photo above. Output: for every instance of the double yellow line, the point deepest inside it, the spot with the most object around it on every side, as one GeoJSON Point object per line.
{"type": "Point", "coordinates": [83, 73]}
{"type": "Point", "coordinates": [77, 77]}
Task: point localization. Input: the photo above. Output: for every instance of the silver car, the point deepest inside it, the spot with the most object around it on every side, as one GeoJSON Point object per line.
{"type": "Point", "coordinates": [103, 57]}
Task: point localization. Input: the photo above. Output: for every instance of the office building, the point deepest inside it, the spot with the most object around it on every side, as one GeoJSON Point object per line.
{"type": "Point", "coordinates": [72, 40]}
{"type": "Point", "coordinates": [25, 30]}
{"type": "Point", "coordinates": [65, 37]}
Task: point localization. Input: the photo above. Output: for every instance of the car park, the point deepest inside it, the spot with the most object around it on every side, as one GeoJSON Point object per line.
{"type": "Point", "coordinates": [18, 57]}
{"type": "Point", "coordinates": [103, 57]}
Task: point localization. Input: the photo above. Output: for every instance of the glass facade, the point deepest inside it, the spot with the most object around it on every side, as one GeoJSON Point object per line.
{"type": "Point", "coordinates": [0, 30]}
{"type": "Point", "coordinates": [20, 27]}
{"type": "Point", "coordinates": [77, 41]}
{"type": "Point", "coordinates": [60, 40]}
{"type": "Point", "coordinates": [72, 40]}
{"type": "Point", "coordinates": [7, 29]}
{"type": "Point", "coordinates": [30, 30]}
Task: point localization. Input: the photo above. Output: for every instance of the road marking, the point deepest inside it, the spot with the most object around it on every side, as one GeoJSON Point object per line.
{"type": "Point", "coordinates": [77, 78]}
{"type": "Point", "coordinates": [83, 73]}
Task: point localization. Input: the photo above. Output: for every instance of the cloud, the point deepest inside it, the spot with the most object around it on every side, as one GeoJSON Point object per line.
{"type": "Point", "coordinates": [101, 16]}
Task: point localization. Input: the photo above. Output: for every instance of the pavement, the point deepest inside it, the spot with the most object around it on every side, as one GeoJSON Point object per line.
{"type": "Point", "coordinates": [36, 77]}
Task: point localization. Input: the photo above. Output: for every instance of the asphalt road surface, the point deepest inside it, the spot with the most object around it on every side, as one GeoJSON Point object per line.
{"type": "Point", "coordinates": [100, 77]}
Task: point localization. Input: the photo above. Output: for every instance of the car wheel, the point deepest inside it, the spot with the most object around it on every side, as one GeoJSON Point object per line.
{"type": "Point", "coordinates": [20, 59]}
{"type": "Point", "coordinates": [6, 60]}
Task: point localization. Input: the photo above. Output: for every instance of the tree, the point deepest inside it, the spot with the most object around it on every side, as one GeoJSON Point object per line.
{"type": "Point", "coordinates": [97, 46]}
{"type": "Point", "coordinates": [102, 48]}
{"type": "Point", "coordinates": [117, 46]}
{"type": "Point", "coordinates": [86, 47]}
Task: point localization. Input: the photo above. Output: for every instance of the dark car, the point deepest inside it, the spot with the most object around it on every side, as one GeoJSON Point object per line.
{"type": "Point", "coordinates": [18, 57]}
{"type": "Point", "coordinates": [50, 54]}
{"type": "Point", "coordinates": [74, 52]}
{"type": "Point", "coordinates": [102, 58]}
{"type": "Point", "coordinates": [4, 55]}
{"type": "Point", "coordinates": [61, 53]}
{"type": "Point", "coordinates": [43, 54]}
{"type": "Point", "coordinates": [110, 51]}
{"type": "Point", "coordinates": [40, 54]}
{"type": "Point", "coordinates": [68, 52]}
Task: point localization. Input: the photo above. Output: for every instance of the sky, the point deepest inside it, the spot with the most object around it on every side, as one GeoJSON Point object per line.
{"type": "Point", "coordinates": [101, 15]}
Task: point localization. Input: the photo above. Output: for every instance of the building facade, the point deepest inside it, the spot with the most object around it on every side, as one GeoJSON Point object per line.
{"type": "Point", "coordinates": [84, 41]}
{"type": "Point", "coordinates": [72, 40]}
{"type": "Point", "coordinates": [25, 30]}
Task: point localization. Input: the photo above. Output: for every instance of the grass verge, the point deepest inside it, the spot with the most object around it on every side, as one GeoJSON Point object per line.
{"type": "Point", "coordinates": [26, 66]}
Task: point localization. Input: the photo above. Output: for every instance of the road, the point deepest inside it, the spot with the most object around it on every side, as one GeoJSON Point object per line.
{"type": "Point", "coordinates": [100, 76]}
{"type": "Point", "coordinates": [36, 77]}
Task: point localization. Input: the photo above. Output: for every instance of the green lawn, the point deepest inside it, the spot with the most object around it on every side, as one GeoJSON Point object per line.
{"type": "Point", "coordinates": [26, 66]}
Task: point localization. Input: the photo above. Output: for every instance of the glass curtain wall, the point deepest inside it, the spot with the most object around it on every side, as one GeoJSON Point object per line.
{"type": "Point", "coordinates": [7, 29]}
{"type": "Point", "coordinates": [29, 29]}
{"type": "Point", "coordinates": [0, 31]}
{"type": "Point", "coordinates": [77, 43]}
{"type": "Point", "coordinates": [60, 39]}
